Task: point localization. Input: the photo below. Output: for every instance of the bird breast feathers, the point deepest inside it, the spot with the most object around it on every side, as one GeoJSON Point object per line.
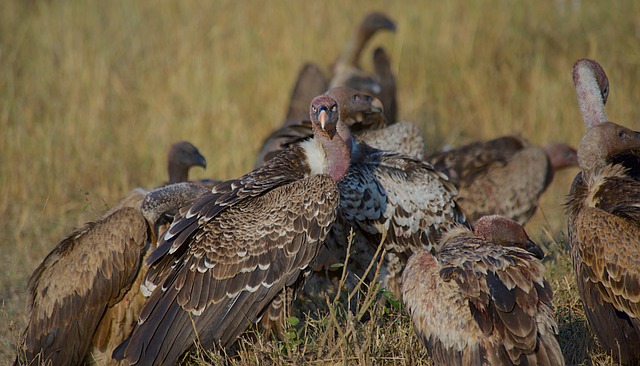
{"type": "Point", "coordinates": [316, 156]}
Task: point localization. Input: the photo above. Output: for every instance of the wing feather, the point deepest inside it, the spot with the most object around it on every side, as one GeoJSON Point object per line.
{"type": "Point", "coordinates": [244, 260]}
{"type": "Point", "coordinates": [87, 272]}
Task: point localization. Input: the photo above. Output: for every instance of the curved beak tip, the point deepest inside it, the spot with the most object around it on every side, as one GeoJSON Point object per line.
{"type": "Point", "coordinates": [323, 118]}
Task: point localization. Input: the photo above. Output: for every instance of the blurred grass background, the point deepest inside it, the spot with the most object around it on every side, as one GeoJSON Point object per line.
{"type": "Point", "coordinates": [93, 93]}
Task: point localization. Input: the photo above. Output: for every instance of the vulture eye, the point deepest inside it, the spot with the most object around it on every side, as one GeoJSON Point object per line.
{"type": "Point", "coordinates": [334, 108]}
{"type": "Point", "coordinates": [314, 109]}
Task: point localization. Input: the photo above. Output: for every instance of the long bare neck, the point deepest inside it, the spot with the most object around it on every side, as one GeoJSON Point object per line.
{"type": "Point", "coordinates": [338, 151]}
{"type": "Point", "coordinates": [589, 96]}
{"type": "Point", "coordinates": [177, 172]}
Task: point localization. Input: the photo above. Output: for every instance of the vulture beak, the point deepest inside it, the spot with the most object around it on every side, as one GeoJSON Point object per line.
{"type": "Point", "coordinates": [201, 161]}
{"type": "Point", "coordinates": [534, 249]}
{"type": "Point", "coordinates": [322, 117]}
{"type": "Point", "coordinates": [376, 105]}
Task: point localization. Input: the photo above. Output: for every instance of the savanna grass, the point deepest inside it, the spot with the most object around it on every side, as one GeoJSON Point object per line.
{"type": "Point", "coordinates": [93, 93]}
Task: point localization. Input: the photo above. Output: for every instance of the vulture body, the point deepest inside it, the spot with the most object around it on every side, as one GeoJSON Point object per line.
{"type": "Point", "coordinates": [504, 176]}
{"type": "Point", "coordinates": [85, 295]}
{"type": "Point", "coordinates": [482, 299]}
{"type": "Point", "coordinates": [386, 192]}
{"type": "Point", "coordinates": [604, 220]}
{"type": "Point", "coordinates": [226, 260]}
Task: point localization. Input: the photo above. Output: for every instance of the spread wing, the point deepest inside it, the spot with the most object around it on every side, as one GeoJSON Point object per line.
{"type": "Point", "coordinates": [230, 267]}
{"type": "Point", "coordinates": [87, 272]}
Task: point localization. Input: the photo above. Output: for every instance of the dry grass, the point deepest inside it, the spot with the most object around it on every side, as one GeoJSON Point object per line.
{"type": "Point", "coordinates": [93, 93]}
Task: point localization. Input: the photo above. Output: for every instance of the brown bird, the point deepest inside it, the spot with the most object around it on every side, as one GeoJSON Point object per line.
{"type": "Point", "coordinates": [504, 176]}
{"type": "Point", "coordinates": [181, 157]}
{"type": "Point", "coordinates": [85, 295]}
{"type": "Point", "coordinates": [346, 70]}
{"type": "Point", "coordinates": [226, 260]}
{"type": "Point", "coordinates": [359, 111]}
{"type": "Point", "coordinates": [604, 220]}
{"type": "Point", "coordinates": [482, 299]}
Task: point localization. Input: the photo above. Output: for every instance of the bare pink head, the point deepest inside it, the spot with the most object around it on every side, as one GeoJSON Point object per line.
{"type": "Point", "coordinates": [506, 232]}
{"type": "Point", "coordinates": [561, 155]}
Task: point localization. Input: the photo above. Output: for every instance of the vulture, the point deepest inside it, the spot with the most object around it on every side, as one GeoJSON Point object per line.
{"type": "Point", "coordinates": [345, 72]}
{"type": "Point", "coordinates": [388, 194]}
{"type": "Point", "coordinates": [233, 256]}
{"type": "Point", "coordinates": [504, 176]}
{"type": "Point", "coordinates": [482, 298]}
{"type": "Point", "coordinates": [603, 206]}
{"type": "Point", "coordinates": [85, 295]}
{"type": "Point", "coordinates": [181, 157]}
{"type": "Point", "coordinates": [346, 69]}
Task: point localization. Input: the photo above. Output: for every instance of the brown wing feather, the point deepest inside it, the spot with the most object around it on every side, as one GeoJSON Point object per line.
{"type": "Point", "coordinates": [86, 273]}
{"type": "Point", "coordinates": [511, 189]}
{"type": "Point", "coordinates": [311, 82]}
{"type": "Point", "coordinates": [467, 163]}
{"type": "Point", "coordinates": [235, 264]}
{"type": "Point", "coordinates": [609, 280]}
{"type": "Point", "coordinates": [482, 303]}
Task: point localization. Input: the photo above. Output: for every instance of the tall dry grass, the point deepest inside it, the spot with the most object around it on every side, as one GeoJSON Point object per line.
{"type": "Point", "coordinates": [93, 93]}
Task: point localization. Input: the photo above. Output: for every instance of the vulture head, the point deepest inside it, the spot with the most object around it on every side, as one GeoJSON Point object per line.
{"type": "Point", "coordinates": [506, 232]}
{"type": "Point", "coordinates": [602, 141]}
{"type": "Point", "coordinates": [561, 155]}
{"type": "Point", "coordinates": [359, 111]}
{"type": "Point", "coordinates": [182, 156]}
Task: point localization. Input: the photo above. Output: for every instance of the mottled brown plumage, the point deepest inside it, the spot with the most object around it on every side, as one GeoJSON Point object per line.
{"type": "Point", "coordinates": [85, 295]}
{"type": "Point", "coordinates": [226, 259]}
{"type": "Point", "coordinates": [181, 157]}
{"type": "Point", "coordinates": [504, 176]}
{"type": "Point", "coordinates": [359, 111]}
{"type": "Point", "coordinates": [385, 191]}
{"type": "Point", "coordinates": [482, 299]}
{"type": "Point", "coordinates": [604, 221]}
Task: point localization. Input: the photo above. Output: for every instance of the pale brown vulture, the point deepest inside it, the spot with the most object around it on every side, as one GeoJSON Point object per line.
{"type": "Point", "coordinates": [482, 299]}
{"type": "Point", "coordinates": [85, 295]}
{"type": "Point", "coordinates": [504, 176]}
{"type": "Point", "coordinates": [181, 157]}
{"type": "Point", "coordinates": [227, 259]}
{"type": "Point", "coordinates": [604, 220]}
